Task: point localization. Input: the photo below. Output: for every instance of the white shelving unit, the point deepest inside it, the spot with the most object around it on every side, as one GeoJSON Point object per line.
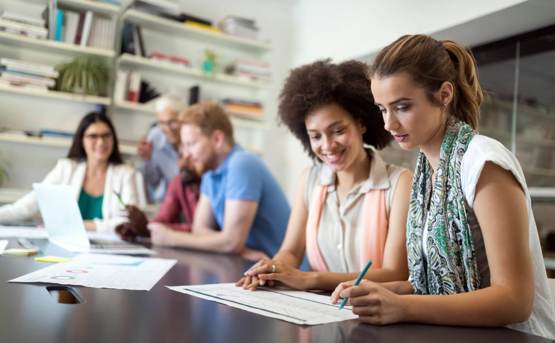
{"type": "Point", "coordinates": [58, 142]}
{"type": "Point", "coordinates": [247, 126]}
{"type": "Point", "coordinates": [172, 27]}
{"type": "Point", "coordinates": [56, 95]}
{"type": "Point", "coordinates": [96, 6]}
{"type": "Point", "coordinates": [237, 118]}
{"type": "Point", "coordinates": [20, 41]}
{"type": "Point", "coordinates": [146, 63]}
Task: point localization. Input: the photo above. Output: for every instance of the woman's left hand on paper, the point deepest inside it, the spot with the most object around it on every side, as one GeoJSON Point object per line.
{"type": "Point", "coordinates": [275, 271]}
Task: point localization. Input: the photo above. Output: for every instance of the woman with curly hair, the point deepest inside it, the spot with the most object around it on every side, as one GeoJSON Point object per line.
{"type": "Point", "coordinates": [350, 206]}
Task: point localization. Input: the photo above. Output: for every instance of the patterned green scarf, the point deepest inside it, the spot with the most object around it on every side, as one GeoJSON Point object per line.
{"type": "Point", "coordinates": [449, 264]}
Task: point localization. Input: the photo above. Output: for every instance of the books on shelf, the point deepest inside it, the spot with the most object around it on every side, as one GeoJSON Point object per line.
{"type": "Point", "coordinates": [201, 26]}
{"type": "Point", "coordinates": [102, 33]}
{"type": "Point", "coordinates": [23, 12]}
{"type": "Point", "coordinates": [171, 59]}
{"type": "Point", "coordinates": [134, 86]}
{"type": "Point", "coordinates": [250, 69]}
{"type": "Point", "coordinates": [245, 108]}
{"type": "Point", "coordinates": [70, 26]}
{"type": "Point", "coordinates": [23, 29]}
{"type": "Point", "coordinates": [87, 23]}
{"type": "Point", "coordinates": [22, 73]}
{"type": "Point", "coordinates": [167, 6]}
{"type": "Point", "coordinates": [121, 85]}
{"type": "Point", "coordinates": [239, 26]}
{"type": "Point", "coordinates": [23, 18]}
{"type": "Point", "coordinates": [169, 10]}
{"type": "Point", "coordinates": [132, 40]}
{"type": "Point", "coordinates": [85, 29]}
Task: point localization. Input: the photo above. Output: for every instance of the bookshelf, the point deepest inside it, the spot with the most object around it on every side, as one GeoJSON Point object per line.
{"type": "Point", "coordinates": [72, 50]}
{"type": "Point", "coordinates": [168, 26]}
{"type": "Point", "coordinates": [58, 142]}
{"type": "Point", "coordinates": [60, 110]}
{"type": "Point", "coordinates": [56, 95]}
{"type": "Point", "coordinates": [127, 60]}
{"type": "Point", "coordinates": [89, 5]}
{"type": "Point", "coordinates": [238, 119]}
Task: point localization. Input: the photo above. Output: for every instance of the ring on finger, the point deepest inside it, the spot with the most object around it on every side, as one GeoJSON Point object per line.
{"type": "Point", "coordinates": [273, 268]}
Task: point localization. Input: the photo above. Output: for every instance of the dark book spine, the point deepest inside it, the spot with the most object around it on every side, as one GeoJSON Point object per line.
{"type": "Point", "coordinates": [79, 32]}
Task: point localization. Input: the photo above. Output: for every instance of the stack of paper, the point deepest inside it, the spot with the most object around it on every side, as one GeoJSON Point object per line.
{"type": "Point", "coordinates": [293, 306]}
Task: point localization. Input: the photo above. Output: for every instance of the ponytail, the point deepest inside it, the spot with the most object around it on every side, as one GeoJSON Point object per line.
{"type": "Point", "coordinates": [430, 63]}
{"type": "Point", "coordinates": [468, 94]}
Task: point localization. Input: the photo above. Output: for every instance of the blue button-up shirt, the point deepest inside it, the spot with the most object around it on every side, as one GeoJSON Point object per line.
{"type": "Point", "coordinates": [243, 176]}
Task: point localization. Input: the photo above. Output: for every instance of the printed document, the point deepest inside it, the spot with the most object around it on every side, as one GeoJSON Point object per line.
{"type": "Point", "coordinates": [23, 232]}
{"type": "Point", "coordinates": [103, 271]}
{"type": "Point", "coordinates": [297, 307]}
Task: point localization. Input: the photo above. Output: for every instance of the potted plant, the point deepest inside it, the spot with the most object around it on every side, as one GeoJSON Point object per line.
{"type": "Point", "coordinates": [84, 75]}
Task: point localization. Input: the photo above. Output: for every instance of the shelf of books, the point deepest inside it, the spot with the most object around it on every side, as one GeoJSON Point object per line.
{"type": "Point", "coordinates": [171, 68]}
{"type": "Point", "coordinates": [134, 106]}
{"type": "Point", "coordinates": [54, 46]}
{"type": "Point", "coordinates": [96, 6]}
{"type": "Point", "coordinates": [242, 120]}
{"type": "Point", "coordinates": [59, 142]}
{"type": "Point", "coordinates": [193, 30]}
{"type": "Point", "coordinates": [31, 91]}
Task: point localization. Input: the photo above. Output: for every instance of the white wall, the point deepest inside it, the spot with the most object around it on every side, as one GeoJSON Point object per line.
{"type": "Point", "coordinates": [344, 29]}
{"type": "Point", "coordinates": [274, 17]}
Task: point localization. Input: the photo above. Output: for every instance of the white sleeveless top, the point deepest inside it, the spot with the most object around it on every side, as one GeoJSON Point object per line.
{"type": "Point", "coordinates": [340, 229]}
{"type": "Point", "coordinates": [481, 150]}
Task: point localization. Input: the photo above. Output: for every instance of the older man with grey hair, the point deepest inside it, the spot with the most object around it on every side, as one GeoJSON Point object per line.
{"type": "Point", "coordinates": [159, 149]}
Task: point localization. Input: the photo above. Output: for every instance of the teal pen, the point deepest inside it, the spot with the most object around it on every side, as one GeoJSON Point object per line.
{"type": "Point", "coordinates": [120, 200]}
{"type": "Point", "coordinates": [357, 281]}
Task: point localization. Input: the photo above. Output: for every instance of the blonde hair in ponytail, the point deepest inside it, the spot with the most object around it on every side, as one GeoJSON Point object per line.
{"type": "Point", "coordinates": [430, 63]}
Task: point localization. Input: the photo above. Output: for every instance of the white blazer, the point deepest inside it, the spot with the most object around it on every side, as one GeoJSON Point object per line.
{"type": "Point", "coordinates": [120, 178]}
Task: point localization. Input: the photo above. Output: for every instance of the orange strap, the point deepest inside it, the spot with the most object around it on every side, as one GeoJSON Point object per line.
{"type": "Point", "coordinates": [374, 226]}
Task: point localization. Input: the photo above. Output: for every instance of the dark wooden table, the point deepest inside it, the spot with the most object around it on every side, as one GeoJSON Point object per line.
{"type": "Point", "coordinates": [28, 313]}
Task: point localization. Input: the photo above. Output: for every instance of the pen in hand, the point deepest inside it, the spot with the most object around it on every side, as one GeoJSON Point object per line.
{"type": "Point", "coordinates": [357, 281]}
{"type": "Point", "coordinates": [118, 195]}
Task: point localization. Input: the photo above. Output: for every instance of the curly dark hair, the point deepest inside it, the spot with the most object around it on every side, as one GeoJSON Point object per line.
{"type": "Point", "coordinates": [322, 82]}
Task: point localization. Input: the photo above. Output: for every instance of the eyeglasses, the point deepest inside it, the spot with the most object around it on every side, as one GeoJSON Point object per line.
{"type": "Point", "coordinates": [96, 136]}
{"type": "Point", "coordinates": [173, 123]}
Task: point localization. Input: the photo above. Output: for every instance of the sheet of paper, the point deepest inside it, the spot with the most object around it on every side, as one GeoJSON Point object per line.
{"type": "Point", "coordinates": [3, 245]}
{"type": "Point", "coordinates": [22, 232]}
{"type": "Point", "coordinates": [103, 271]}
{"type": "Point", "coordinates": [293, 306]}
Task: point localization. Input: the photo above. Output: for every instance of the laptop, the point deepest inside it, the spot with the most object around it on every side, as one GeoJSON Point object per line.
{"type": "Point", "coordinates": [65, 227]}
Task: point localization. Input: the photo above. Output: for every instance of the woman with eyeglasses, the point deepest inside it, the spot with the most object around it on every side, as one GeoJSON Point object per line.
{"type": "Point", "coordinates": [94, 169]}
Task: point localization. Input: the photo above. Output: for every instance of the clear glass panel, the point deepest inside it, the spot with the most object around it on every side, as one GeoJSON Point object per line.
{"type": "Point", "coordinates": [496, 68]}
{"type": "Point", "coordinates": [535, 140]}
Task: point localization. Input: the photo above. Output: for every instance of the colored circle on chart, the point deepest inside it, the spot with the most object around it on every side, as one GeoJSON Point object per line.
{"type": "Point", "coordinates": [77, 271]}
{"type": "Point", "coordinates": [63, 277]}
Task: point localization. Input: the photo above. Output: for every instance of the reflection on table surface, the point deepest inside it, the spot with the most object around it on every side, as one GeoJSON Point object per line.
{"type": "Point", "coordinates": [28, 313]}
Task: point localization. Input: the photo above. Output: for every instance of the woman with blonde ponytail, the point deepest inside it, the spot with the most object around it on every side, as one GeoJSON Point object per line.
{"type": "Point", "coordinates": [473, 250]}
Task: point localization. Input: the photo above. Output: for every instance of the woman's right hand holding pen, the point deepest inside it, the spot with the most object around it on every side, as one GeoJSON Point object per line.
{"type": "Point", "coordinates": [374, 303]}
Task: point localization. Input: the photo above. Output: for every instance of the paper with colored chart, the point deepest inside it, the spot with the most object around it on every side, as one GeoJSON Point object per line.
{"type": "Point", "coordinates": [103, 271]}
{"type": "Point", "coordinates": [297, 307]}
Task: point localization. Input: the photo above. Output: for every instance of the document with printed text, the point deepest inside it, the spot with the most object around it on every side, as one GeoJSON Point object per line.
{"type": "Point", "coordinates": [103, 271]}
{"type": "Point", "coordinates": [297, 307]}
